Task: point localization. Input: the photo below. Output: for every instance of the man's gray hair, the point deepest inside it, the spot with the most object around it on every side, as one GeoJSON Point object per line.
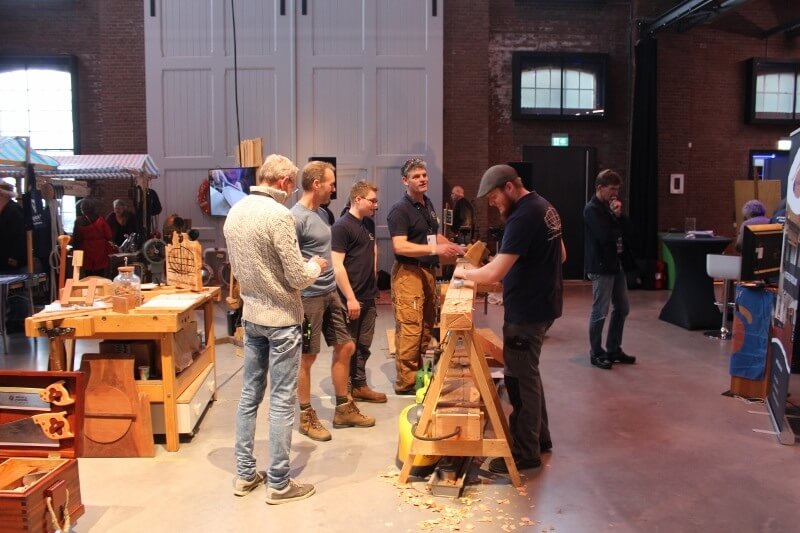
{"type": "Point", "coordinates": [276, 167]}
{"type": "Point", "coordinates": [411, 164]}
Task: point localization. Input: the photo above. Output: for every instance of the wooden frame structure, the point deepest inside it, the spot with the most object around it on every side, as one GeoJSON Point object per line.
{"type": "Point", "coordinates": [462, 357]}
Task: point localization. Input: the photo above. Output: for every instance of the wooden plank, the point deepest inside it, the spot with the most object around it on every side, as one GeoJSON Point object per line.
{"type": "Point", "coordinates": [490, 343]}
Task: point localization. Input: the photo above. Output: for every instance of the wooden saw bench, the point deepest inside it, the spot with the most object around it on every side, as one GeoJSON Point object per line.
{"type": "Point", "coordinates": [456, 429]}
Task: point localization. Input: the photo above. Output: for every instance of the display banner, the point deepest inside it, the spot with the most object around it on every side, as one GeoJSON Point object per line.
{"type": "Point", "coordinates": [778, 389]}
{"type": "Point", "coordinates": [783, 348]}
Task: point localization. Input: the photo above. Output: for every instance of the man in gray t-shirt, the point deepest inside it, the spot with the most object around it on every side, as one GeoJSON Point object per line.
{"type": "Point", "coordinates": [323, 309]}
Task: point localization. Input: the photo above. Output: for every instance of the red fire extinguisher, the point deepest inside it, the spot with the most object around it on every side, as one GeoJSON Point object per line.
{"type": "Point", "coordinates": [660, 276]}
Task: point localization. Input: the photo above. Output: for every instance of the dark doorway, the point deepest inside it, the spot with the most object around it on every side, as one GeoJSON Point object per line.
{"type": "Point", "coordinates": [565, 177]}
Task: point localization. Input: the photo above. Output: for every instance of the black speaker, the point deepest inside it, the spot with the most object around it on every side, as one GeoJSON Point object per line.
{"type": "Point", "coordinates": [332, 161]}
{"type": "Point", "coordinates": [525, 171]}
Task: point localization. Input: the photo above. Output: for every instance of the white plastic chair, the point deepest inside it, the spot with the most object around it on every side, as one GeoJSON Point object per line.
{"type": "Point", "coordinates": [727, 268]}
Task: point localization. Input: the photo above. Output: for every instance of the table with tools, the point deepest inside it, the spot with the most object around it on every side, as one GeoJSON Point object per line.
{"type": "Point", "coordinates": [166, 312]}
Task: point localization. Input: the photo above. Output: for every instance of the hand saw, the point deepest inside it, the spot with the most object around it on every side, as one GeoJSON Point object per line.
{"type": "Point", "coordinates": [42, 430]}
{"type": "Point", "coordinates": [32, 399]}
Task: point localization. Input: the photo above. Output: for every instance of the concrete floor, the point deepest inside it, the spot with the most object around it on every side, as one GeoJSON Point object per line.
{"type": "Point", "coordinates": [649, 447]}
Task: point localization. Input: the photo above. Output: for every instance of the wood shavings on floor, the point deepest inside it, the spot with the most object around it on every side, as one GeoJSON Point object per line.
{"type": "Point", "coordinates": [480, 505]}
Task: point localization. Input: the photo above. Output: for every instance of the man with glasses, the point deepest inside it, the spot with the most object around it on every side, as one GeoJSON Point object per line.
{"type": "Point", "coordinates": [607, 231]}
{"type": "Point", "coordinates": [417, 243]}
{"type": "Point", "coordinates": [529, 263]}
{"type": "Point", "coordinates": [265, 258]}
{"type": "Point", "coordinates": [354, 252]}
{"type": "Point", "coordinates": [323, 308]}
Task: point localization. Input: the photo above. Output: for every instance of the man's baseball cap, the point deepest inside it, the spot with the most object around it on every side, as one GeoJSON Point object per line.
{"type": "Point", "coordinates": [496, 176]}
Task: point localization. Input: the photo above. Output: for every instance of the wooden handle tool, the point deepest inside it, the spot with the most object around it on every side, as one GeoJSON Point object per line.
{"type": "Point", "coordinates": [63, 240]}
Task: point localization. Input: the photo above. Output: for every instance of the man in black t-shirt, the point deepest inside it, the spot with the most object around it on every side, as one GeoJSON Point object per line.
{"type": "Point", "coordinates": [417, 243]}
{"type": "Point", "coordinates": [529, 263]}
{"type": "Point", "coordinates": [354, 255]}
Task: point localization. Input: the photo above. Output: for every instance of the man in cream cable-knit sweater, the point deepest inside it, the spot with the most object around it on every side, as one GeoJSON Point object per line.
{"type": "Point", "coordinates": [265, 257]}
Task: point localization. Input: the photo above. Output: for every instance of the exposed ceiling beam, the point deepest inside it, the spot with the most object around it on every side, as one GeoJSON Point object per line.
{"type": "Point", "coordinates": [788, 28]}
{"type": "Point", "coordinates": [792, 32]}
{"type": "Point", "coordinates": [690, 13]}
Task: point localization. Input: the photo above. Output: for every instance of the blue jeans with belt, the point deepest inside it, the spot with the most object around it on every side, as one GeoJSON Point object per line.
{"type": "Point", "coordinates": [275, 350]}
{"type": "Point", "coordinates": [608, 289]}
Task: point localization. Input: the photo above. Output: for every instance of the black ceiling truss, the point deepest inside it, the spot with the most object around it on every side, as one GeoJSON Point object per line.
{"type": "Point", "coordinates": [688, 14]}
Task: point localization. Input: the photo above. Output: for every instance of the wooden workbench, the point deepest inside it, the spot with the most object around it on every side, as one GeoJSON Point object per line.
{"type": "Point", "coordinates": [159, 324]}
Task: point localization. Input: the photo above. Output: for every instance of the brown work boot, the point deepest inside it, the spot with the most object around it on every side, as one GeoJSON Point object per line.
{"type": "Point", "coordinates": [311, 427]}
{"type": "Point", "coordinates": [365, 394]}
{"type": "Point", "coordinates": [348, 416]}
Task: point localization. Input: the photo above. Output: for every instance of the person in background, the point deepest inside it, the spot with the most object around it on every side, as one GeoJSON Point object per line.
{"type": "Point", "coordinates": [328, 213]}
{"type": "Point", "coordinates": [262, 246]}
{"type": "Point", "coordinates": [779, 214]}
{"type": "Point", "coordinates": [607, 231]}
{"type": "Point", "coordinates": [529, 263]}
{"type": "Point", "coordinates": [463, 215]}
{"type": "Point", "coordinates": [13, 256]}
{"type": "Point", "coordinates": [121, 220]}
{"type": "Point", "coordinates": [754, 212]}
{"type": "Point", "coordinates": [354, 251]}
{"type": "Point", "coordinates": [323, 308]}
{"type": "Point", "coordinates": [417, 243]}
{"type": "Point", "coordinates": [92, 235]}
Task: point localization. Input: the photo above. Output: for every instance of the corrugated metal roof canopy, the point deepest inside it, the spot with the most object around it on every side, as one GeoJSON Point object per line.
{"type": "Point", "coordinates": [12, 152]}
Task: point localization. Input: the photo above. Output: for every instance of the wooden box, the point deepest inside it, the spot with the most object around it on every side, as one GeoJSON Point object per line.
{"type": "Point", "coordinates": [33, 473]}
{"type": "Point", "coordinates": [467, 420]}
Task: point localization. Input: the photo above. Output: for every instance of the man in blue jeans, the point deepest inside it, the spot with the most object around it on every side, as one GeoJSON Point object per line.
{"type": "Point", "coordinates": [265, 258]}
{"type": "Point", "coordinates": [606, 239]}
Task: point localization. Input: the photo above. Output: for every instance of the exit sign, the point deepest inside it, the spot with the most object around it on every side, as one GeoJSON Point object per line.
{"type": "Point", "coordinates": [559, 139]}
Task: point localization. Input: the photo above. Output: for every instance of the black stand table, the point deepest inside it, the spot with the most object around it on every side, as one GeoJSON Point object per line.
{"type": "Point", "coordinates": [691, 304]}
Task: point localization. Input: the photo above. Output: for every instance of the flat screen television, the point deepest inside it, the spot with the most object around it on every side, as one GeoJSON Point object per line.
{"type": "Point", "coordinates": [762, 245]}
{"type": "Point", "coordinates": [226, 186]}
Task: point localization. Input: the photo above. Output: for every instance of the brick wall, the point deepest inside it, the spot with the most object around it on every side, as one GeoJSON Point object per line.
{"type": "Point", "coordinates": [107, 37]}
{"type": "Point", "coordinates": [701, 101]}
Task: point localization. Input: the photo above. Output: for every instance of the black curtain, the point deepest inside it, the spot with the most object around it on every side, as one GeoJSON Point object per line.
{"type": "Point", "coordinates": [643, 180]}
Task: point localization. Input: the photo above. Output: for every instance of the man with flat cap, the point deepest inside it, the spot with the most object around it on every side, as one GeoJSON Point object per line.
{"type": "Point", "coordinates": [529, 263]}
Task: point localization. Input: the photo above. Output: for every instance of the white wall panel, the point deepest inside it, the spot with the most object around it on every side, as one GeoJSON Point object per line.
{"type": "Point", "coordinates": [255, 28]}
{"type": "Point", "coordinates": [186, 28]}
{"type": "Point", "coordinates": [402, 124]}
{"type": "Point", "coordinates": [402, 27]}
{"type": "Point", "coordinates": [188, 124]}
{"type": "Point", "coordinates": [258, 103]}
{"type": "Point", "coordinates": [337, 27]}
{"type": "Point", "coordinates": [338, 105]}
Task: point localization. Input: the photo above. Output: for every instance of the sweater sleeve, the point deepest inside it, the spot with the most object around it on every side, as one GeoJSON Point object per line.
{"type": "Point", "coordinates": [299, 274]}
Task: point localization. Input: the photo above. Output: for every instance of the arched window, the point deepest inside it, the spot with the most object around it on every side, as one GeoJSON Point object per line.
{"type": "Point", "coordinates": [543, 88]}
{"type": "Point", "coordinates": [38, 100]}
{"type": "Point", "coordinates": [566, 85]}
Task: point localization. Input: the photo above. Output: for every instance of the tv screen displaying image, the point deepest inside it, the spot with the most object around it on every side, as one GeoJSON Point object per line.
{"type": "Point", "coordinates": [226, 186]}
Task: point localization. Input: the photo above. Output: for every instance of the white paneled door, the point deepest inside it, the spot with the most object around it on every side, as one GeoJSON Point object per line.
{"type": "Point", "coordinates": [369, 91]}
{"type": "Point", "coordinates": [360, 80]}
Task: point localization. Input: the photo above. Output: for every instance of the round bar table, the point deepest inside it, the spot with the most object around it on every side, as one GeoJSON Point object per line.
{"type": "Point", "coordinates": [692, 303]}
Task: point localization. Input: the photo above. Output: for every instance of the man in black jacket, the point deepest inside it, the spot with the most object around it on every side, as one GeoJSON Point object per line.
{"type": "Point", "coordinates": [606, 229]}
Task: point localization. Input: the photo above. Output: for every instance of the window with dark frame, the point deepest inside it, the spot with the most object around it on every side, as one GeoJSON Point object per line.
{"type": "Point", "coordinates": [773, 95]}
{"type": "Point", "coordinates": [559, 85]}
